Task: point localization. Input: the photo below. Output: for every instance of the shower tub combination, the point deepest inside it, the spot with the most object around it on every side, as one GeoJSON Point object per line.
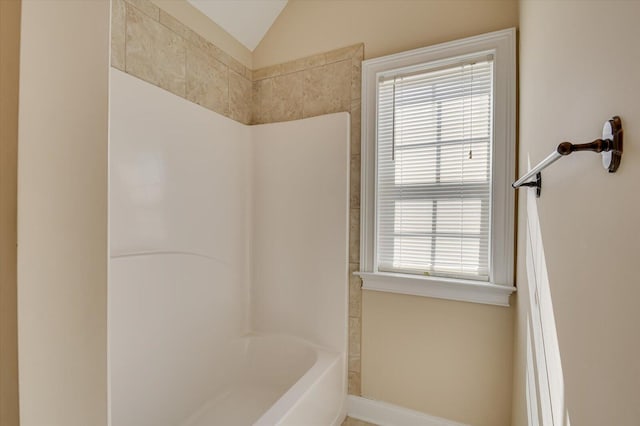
{"type": "Point", "coordinates": [275, 380]}
{"type": "Point", "coordinates": [228, 265]}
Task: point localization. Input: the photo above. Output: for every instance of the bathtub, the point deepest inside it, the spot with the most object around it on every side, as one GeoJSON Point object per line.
{"type": "Point", "coordinates": [176, 358]}
{"type": "Point", "coordinates": [276, 380]}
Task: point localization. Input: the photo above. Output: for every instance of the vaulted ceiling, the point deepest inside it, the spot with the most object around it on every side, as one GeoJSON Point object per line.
{"type": "Point", "coordinates": [246, 20]}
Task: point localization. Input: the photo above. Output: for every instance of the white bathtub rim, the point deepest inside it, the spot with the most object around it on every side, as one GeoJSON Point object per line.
{"type": "Point", "coordinates": [283, 336]}
{"type": "Point", "coordinates": [299, 390]}
{"type": "Point", "coordinates": [325, 359]}
{"type": "Point", "coordinates": [193, 418]}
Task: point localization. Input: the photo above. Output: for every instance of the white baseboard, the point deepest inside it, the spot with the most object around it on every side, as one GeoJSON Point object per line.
{"type": "Point", "coordinates": [385, 414]}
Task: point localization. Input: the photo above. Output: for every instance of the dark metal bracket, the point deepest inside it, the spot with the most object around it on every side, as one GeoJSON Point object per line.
{"type": "Point", "coordinates": [610, 146]}
{"type": "Point", "coordinates": [535, 184]}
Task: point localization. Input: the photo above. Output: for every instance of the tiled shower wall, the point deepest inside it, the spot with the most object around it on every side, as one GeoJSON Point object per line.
{"type": "Point", "coordinates": [150, 44]}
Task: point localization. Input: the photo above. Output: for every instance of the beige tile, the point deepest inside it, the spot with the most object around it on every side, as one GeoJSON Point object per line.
{"type": "Point", "coordinates": [356, 124]}
{"type": "Point", "coordinates": [315, 60]}
{"type": "Point", "coordinates": [293, 66]}
{"type": "Point", "coordinates": [304, 63]}
{"type": "Point", "coordinates": [359, 53]}
{"type": "Point", "coordinates": [355, 292]}
{"type": "Point", "coordinates": [267, 72]}
{"type": "Point", "coordinates": [261, 95]}
{"type": "Point", "coordinates": [214, 51]}
{"type": "Point", "coordinates": [354, 336]}
{"type": "Point", "coordinates": [118, 36]}
{"type": "Point", "coordinates": [146, 7]}
{"type": "Point", "coordinates": [200, 42]}
{"type": "Point", "coordinates": [207, 81]}
{"type": "Point", "coordinates": [154, 53]}
{"type": "Point", "coordinates": [354, 182]}
{"type": "Point", "coordinates": [327, 89]}
{"type": "Point", "coordinates": [193, 38]}
{"type": "Point", "coordinates": [286, 99]}
{"type": "Point", "coordinates": [248, 73]}
{"type": "Point", "coordinates": [227, 59]}
{"type": "Point", "coordinates": [174, 25]}
{"type": "Point", "coordinates": [342, 53]}
{"type": "Point", "coordinates": [354, 344]}
{"type": "Point", "coordinates": [218, 54]}
{"type": "Point", "coordinates": [355, 422]}
{"type": "Point", "coordinates": [354, 363]}
{"type": "Point", "coordinates": [354, 235]}
{"type": "Point", "coordinates": [235, 65]}
{"type": "Point", "coordinates": [187, 33]}
{"type": "Point", "coordinates": [239, 98]}
{"type": "Point", "coordinates": [356, 79]}
{"type": "Point", "coordinates": [354, 383]}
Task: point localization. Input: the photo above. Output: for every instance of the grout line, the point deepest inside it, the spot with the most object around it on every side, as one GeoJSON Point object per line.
{"type": "Point", "coordinates": [143, 12]}
{"type": "Point", "coordinates": [125, 34]}
{"type": "Point", "coordinates": [301, 70]}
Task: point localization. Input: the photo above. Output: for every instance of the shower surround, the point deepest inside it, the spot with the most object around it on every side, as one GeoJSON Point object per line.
{"type": "Point", "coordinates": [228, 264]}
{"type": "Point", "coordinates": [151, 44]}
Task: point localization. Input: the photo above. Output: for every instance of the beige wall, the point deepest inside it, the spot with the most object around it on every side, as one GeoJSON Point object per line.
{"type": "Point", "coordinates": [403, 325]}
{"type": "Point", "coordinates": [579, 65]}
{"type": "Point", "coordinates": [446, 358]}
{"type": "Point", "coordinates": [62, 210]}
{"type": "Point", "coordinates": [306, 27]}
{"type": "Point", "coordinates": [9, 71]}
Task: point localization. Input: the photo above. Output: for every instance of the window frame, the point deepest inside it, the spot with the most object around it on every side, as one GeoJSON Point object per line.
{"type": "Point", "coordinates": [502, 45]}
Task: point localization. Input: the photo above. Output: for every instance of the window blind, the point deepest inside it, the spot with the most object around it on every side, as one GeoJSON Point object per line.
{"type": "Point", "coordinates": [434, 138]}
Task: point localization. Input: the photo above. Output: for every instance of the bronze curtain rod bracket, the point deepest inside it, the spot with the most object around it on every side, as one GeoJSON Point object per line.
{"type": "Point", "coordinates": [610, 146]}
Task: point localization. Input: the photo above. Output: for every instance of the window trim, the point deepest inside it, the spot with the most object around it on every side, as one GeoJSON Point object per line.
{"type": "Point", "coordinates": [502, 44]}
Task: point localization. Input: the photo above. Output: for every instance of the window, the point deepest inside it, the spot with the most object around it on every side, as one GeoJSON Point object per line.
{"type": "Point", "coordinates": [438, 160]}
{"type": "Point", "coordinates": [433, 170]}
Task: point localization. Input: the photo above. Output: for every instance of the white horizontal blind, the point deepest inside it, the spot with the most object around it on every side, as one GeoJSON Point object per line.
{"type": "Point", "coordinates": [434, 138]}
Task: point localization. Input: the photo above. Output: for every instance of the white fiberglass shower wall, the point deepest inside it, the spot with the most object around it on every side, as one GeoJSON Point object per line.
{"type": "Point", "coordinates": [228, 265]}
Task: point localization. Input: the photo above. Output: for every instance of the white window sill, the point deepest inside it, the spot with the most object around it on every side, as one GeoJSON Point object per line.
{"type": "Point", "coordinates": [439, 288]}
